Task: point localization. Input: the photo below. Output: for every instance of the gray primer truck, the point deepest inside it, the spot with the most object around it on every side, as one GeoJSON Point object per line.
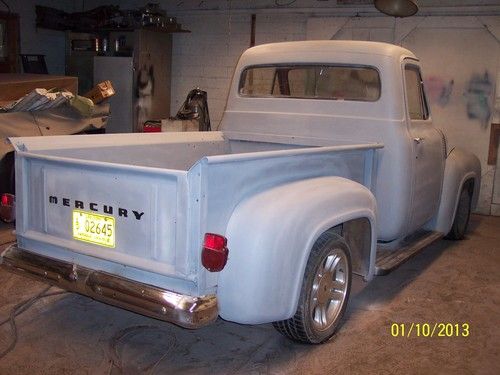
{"type": "Point", "coordinates": [326, 165]}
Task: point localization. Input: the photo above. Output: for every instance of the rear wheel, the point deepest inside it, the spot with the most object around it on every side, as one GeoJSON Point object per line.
{"type": "Point", "coordinates": [462, 216]}
{"type": "Point", "coordinates": [324, 294]}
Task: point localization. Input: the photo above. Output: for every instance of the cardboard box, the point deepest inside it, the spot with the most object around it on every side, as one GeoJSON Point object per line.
{"type": "Point", "coordinates": [169, 125]}
{"type": "Point", "coordinates": [100, 92]}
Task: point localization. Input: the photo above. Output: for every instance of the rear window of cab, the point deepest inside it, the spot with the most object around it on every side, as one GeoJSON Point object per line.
{"type": "Point", "coordinates": [334, 82]}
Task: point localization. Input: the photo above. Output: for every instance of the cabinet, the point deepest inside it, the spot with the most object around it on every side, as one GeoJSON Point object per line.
{"type": "Point", "coordinates": [9, 42]}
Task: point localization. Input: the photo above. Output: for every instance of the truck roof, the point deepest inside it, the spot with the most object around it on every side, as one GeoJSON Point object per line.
{"type": "Point", "coordinates": [295, 51]}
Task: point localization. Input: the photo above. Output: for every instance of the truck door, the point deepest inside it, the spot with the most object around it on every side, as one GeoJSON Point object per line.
{"type": "Point", "coordinates": [428, 150]}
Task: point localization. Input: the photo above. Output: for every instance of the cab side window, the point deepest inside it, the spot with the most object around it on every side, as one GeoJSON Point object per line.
{"type": "Point", "coordinates": [417, 105]}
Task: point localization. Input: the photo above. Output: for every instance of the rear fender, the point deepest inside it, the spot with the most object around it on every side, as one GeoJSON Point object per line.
{"type": "Point", "coordinates": [271, 234]}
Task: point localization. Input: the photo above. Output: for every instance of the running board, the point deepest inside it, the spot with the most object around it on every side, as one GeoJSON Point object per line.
{"type": "Point", "coordinates": [388, 260]}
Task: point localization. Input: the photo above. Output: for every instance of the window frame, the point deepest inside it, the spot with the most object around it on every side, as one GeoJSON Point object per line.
{"type": "Point", "coordinates": [424, 104]}
{"type": "Point", "coordinates": [243, 73]}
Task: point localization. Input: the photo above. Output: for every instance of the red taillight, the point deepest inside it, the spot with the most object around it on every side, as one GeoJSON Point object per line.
{"type": "Point", "coordinates": [215, 252]}
{"type": "Point", "coordinates": [7, 207]}
{"type": "Point", "coordinates": [8, 199]}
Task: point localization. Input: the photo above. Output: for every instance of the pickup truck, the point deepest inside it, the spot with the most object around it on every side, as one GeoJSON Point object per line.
{"type": "Point", "coordinates": [326, 165]}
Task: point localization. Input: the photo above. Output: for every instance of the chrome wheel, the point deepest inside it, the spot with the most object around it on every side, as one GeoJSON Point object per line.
{"type": "Point", "coordinates": [329, 290]}
{"type": "Point", "coordinates": [324, 293]}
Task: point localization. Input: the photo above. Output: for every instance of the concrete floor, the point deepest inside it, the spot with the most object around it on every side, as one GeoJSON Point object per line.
{"type": "Point", "coordinates": [450, 282]}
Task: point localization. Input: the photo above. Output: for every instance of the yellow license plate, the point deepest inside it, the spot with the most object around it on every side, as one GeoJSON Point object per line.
{"type": "Point", "coordinates": [94, 228]}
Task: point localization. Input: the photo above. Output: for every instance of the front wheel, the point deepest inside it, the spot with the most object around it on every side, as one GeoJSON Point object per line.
{"type": "Point", "coordinates": [324, 294]}
{"type": "Point", "coordinates": [462, 216]}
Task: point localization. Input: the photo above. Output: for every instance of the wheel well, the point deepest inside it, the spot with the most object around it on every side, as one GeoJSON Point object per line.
{"type": "Point", "coordinates": [470, 185]}
{"type": "Point", "coordinates": [358, 235]}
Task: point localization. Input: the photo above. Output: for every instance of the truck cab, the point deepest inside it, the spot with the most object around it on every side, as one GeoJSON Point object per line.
{"type": "Point", "coordinates": [350, 91]}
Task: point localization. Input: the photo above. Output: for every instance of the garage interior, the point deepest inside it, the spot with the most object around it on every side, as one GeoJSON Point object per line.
{"type": "Point", "coordinates": [195, 45]}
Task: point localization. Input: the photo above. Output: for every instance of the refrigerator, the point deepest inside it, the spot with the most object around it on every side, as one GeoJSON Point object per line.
{"type": "Point", "coordinates": [141, 80]}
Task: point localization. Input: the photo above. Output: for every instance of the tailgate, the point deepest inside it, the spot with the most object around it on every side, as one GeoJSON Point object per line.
{"type": "Point", "coordinates": [121, 213]}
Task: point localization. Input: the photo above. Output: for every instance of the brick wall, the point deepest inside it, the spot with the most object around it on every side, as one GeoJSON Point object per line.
{"type": "Point", "coordinates": [207, 56]}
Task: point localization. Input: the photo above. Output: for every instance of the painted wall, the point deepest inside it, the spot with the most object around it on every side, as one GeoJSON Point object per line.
{"type": "Point", "coordinates": [464, 72]}
{"type": "Point", "coordinates": [461, 61]}
{"type": "Point", "coordinates": [40, 41]}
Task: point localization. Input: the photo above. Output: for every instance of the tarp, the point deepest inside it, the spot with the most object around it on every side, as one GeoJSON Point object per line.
{"type": "Point", "coordinates": [62, 120]}
{"type": "Point", "coordinates": [38, 100]}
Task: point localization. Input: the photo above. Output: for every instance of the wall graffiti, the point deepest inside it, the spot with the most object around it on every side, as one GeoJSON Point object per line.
{"type": "Point", "coordinates": [145, 84]}
{"type": "Point", "coordinates": [439, 90]}
{"type": "Point", "coordinates": [478, 94]}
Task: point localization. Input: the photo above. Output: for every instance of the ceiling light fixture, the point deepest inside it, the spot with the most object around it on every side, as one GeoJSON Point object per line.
{"type": "Point", "coordinates": [397, 8]}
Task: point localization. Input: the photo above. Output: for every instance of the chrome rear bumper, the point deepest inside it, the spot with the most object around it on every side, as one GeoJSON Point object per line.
{"type": "Point", "coordinates": [183, 310]}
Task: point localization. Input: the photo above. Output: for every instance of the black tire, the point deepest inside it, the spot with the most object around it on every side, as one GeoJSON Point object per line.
{"type": "Point", "coordinates": [309, 324]}
{"type": "Point", "coordinates": [462, 215]}
{"type": "Point", "coordinates": [7, 183]}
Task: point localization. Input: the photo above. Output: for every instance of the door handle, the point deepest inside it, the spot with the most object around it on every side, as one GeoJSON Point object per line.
{"type": "Point", "coordinates": [418, 140]}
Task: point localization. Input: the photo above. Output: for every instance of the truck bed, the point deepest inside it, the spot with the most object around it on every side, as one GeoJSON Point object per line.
{"type": "Point", "coordinates": [178, 151]}
{"type": "Point", "coordinates": [163, 190]}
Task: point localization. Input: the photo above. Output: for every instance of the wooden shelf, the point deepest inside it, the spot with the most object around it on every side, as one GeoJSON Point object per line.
{"type": "Point", "coordinates": [15, 85]}
{"type": "Point", "coordinates": [168, 30]}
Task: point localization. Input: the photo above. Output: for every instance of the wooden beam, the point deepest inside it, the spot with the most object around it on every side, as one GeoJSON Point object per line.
{"type": "Point", "coordinates": [494, 139]}
{"type": "Point", "coordinates": [252, 31]}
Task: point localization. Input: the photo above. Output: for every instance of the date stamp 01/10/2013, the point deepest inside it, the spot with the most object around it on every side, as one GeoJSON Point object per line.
{"type": "Point", "coordinates": [430, 330]}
